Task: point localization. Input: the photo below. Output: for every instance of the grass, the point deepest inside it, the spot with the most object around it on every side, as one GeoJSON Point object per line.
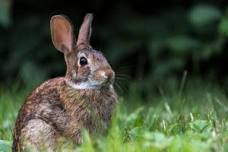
{"type": "Point", "coordinates": [194, 119]}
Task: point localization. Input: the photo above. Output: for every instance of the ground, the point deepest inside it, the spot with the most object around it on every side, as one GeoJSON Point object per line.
{"type": "Point", "coordinates": [191, 119]}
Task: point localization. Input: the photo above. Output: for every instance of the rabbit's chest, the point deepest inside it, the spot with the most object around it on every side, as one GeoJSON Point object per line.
{"type": "Point", "coordinates": [91, 110]}
{"type": "Point", "coordinates": [88, 108]}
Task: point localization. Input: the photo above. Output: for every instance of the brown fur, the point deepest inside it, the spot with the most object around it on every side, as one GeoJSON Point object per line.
{"type": "Point", "coordinates": [55, 109]}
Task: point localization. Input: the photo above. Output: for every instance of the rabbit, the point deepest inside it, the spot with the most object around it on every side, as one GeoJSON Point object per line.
{"type": "Point", "coordinates": [60, 107]}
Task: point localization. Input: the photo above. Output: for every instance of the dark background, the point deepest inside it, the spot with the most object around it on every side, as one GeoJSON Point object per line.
{"type": "Point", "coordinates": [149, 44]}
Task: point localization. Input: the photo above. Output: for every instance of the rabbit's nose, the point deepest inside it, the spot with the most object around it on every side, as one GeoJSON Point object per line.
{"type": "Point", "coordinates": [107, 74]}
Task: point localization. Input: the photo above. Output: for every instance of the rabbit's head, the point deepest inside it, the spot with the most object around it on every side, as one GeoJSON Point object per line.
{"type": "Point", "coordinates": [86, 67]}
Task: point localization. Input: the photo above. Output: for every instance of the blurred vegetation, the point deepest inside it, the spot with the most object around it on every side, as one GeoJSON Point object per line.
{"type": "Point", "coordinates": [193, 120]}
{"type": "Point", "coordinates": [146, 42]}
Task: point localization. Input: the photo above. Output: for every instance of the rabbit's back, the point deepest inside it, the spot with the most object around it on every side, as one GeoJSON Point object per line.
{"type": "Point", "coordinates": [31, 117]}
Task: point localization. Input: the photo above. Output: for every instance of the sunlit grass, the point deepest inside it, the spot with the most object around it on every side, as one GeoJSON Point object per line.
{"type": "Point", "coordinates": [194, 120]}
{"type": "Point", "coordinates": [9, 106]}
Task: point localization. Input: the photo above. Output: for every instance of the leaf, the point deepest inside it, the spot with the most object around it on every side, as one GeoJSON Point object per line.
{"type": "Point", "coordinates": [135, 118]}
{"type": "Point", "coordinates": [136, 133]}
{"type": "Point", "coordinates": [200, 125]}
{"type": "Point", "coordinates": [223, 26]}
{"type": "Point", "coordinates": [203, 15]}
{"type": "Point", "coordinates": [182, 43]}
{"type": "Point", "coordinates": [5, 146]}
{"type": "Point", "coordinates": [5, 8]}
{"type": "Point", "coordinates": [156, 140]}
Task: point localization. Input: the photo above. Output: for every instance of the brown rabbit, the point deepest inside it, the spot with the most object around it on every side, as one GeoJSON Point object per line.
{"type": "Point", "coordinates": [60, 107]}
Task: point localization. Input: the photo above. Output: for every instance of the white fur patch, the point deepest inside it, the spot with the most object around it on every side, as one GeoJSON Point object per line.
{"type": "Point", "coordinates": [83, 85]}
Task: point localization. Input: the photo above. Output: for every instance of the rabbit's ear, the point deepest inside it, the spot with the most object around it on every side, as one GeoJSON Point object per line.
{"type": "Point", "coordinates": [85, 30]}
{"type": "Point", "coordinates": [62, 33]}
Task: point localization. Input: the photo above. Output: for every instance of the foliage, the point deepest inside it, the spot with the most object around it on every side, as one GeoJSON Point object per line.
{"type": "Point", "coordinates": [154, 44]}
{"type": "Point", "coordinates": [5, 12]}
{"type": "Point", "coordinates": [193, 120]}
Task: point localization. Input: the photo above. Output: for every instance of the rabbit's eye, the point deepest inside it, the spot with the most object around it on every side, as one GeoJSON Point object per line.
{"type": "Point", "coordinates": [83, 61]}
